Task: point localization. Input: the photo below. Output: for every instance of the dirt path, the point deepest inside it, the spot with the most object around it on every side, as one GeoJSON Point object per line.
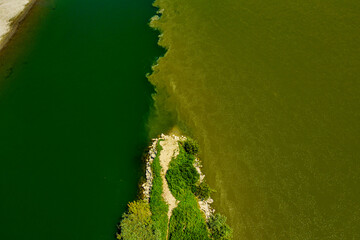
{"type": "Point", "coordinates": [170, 150]}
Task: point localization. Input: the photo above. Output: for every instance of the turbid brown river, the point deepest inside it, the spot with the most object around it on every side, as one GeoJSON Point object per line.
{"type": "Point", "coordinates": [271, 90]}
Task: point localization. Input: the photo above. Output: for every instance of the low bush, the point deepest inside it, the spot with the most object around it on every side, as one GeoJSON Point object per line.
{"type": "Point", "coordinates": [218, 228]}
{"type": "Point", "coordinates": [191, 146]}
{"type": "Point", "coordinates": [187, 221]}
{"type": "Point", "coordinates": [203, 191]}
{"type": "Point", "coordinates": [136, 223]}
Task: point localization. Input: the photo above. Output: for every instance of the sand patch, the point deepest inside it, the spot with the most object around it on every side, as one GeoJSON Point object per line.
{"type": "Point", "coordinates": [170, 150]}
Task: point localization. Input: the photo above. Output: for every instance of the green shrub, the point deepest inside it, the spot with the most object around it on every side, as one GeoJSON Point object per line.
{"type": "Point", "coordinates": [218, 228]}
{"type": "Point", "coordinates": [136, 223]}
{"type": "Point", "coordinates": [203, 191]}
{"type": "Point", "coordinates": [182, 174]}
{"type": "Point", "coordinates": [158, 206]}
{"type": "Point", "coordinates": [191, 146]}
{"type": "Point", "coordinates": [187, 221]}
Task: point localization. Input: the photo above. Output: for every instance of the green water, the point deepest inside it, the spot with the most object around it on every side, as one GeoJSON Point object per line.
{"type": "Point", "coordinates": [74, 102]}
{"type": "Point", "coordinates": [271, 89]}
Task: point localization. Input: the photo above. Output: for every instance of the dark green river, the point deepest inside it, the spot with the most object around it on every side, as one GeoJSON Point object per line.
{"type": "Point", "coordinates": [74, 102]}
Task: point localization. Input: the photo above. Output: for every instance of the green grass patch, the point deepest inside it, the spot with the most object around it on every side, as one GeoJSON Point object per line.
{"type": "Point", "coordinates": [158, 206]}
{"type": "Point", "coordinates": [187, 221]}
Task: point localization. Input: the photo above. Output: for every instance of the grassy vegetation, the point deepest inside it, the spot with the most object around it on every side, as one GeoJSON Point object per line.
{"type": "Point", "coordinates": [158, 207]}
{"type": "Point", "coordinates": [187, 221]}
{"type": "Point", "coordinates": [203, 191]}
{"type": "Point", "coordinates": [182, 175]}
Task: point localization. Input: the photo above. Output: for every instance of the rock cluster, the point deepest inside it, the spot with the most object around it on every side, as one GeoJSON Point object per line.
{"type": "Point", "coordinates": [146, 187]}
{"type": "Point", "coordinates": [205, 203]}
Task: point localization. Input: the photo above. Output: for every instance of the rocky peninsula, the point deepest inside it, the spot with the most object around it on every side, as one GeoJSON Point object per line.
{"type": "Point", "coordinates": [12, 12]}
{"type": "Point", "coordinates": [175, 200]}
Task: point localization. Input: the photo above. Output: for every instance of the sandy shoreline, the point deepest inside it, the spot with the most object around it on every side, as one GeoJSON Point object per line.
{"type": "Point", "coordinates": [12, 12]}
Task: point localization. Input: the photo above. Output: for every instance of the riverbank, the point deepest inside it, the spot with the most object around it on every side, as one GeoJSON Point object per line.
{"type": "Point", "coordinates": [12, 12]}
{"type": "Point", "coordinates": [170, 150]}
{"type": "Point", "coordinates": [175, 200]}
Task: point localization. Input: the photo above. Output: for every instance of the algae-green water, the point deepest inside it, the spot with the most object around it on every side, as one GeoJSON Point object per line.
{"type": "Point", "coordinates": [271, 89]}
{"type": "Point", "coordinates": [74, 101]}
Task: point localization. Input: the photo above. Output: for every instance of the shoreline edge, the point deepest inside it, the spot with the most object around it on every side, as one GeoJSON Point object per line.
{"type": "Point", "coordinates": [14, 22]}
